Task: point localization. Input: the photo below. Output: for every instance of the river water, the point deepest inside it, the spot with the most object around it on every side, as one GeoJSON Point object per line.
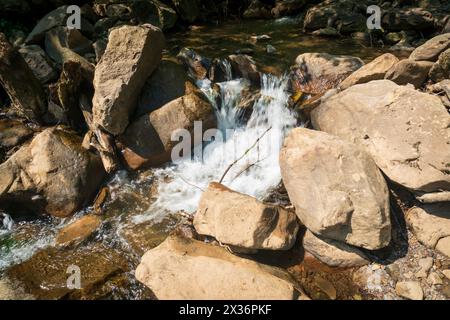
{"type": "Point", "coordinates": [143, 207]}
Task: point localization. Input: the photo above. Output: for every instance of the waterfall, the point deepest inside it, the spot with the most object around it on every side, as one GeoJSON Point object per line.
{"type": "Point", "coordinates": [180, 185]}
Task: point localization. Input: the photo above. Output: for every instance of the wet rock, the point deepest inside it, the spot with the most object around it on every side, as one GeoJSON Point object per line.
{"type": "Point", "coordinates": [188, 10]}
{"type": "Point", "coordinates": [10, 290]}
{"type": "Point", "coordinates": [39, 64]}
{"type": "Point", "coordinates": [52, 174]}
{"type": "Point", "coordinates": [55, 18]}
{"type": "Point", "coordinates": [411, 290]}
{"type": "Point", "coordinates": [375, 70]}
{"type": "Point", "coordinates": [167, 83]}
{"type": "Point", "coordinates": [243, 221]}
{"type": "Point", "coordinates": [243, 66]}
{"type": "Point", "coordinates": [326, 32]}
{"type": "Point", "coordinates": [431, 49]}
{"type": "Point", "coordinates": [132, 54]}
{"type": "Point", "coordinates": [431, 226]}
{"type": "Point", "coordinates": [198, 67]}
{"type": "Point", "coordinates": [407, 19]}
{"type": "Point", "coordinates": [27, 97]}
{"type": "Point", "coordinates": [409, 72]}
{"type": "Point", "coordinates": [401, 148]}
{"type": "Point", "coordinates": [287, 7]}
{"type": "Point", "coordinates": [78, 231]}
{"type": "Point", "coordinates": [45, 275]}
{"type": "Point", "coordinates": [315, 73]}
{"type": "Point", "coordinates": [188, 269]}
{"type": "Point", "coordinates": [336, 188]}
{"type": "Point", "coordinates": [333, 253]}
{"type": "Point", "coordinates": [441, 69]}
{"type": "Point", "coordinates": [148, 140]}
{"type": "Point", "coordinates": [13, 133]}
{"type": "Point", "coordinates": [258, 10]}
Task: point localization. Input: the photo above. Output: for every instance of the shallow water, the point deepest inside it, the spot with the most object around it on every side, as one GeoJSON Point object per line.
{"type": "Point", "coordinates": [143, 207]}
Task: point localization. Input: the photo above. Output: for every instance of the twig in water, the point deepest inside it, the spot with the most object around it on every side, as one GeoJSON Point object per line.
{"type": "Point", "coordinates": [245, 153]}
{"type": "Point", "coordinates": [191, 184]}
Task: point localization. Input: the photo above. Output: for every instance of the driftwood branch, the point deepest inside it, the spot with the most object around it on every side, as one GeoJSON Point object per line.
{"type": "Point", "coordinates": [245, 153]}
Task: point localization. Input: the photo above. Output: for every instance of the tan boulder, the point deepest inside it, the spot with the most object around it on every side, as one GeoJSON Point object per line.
{"type": "Point", "coordinates": [132, 54]}
{"type": "Point", "coordinates": [52, 174]}
{"type": "Point", "coordinates": [78, 231]}
{"type": "Point", "coordinates": [409, 72]}
{"type": "Point", "coordinates": [243, 221]}
{"type": "Point", "coordinates": [375, 70]}
{"type": "Point", "coordinates": [404, 130]}
{"type": "Point", "coordinates": [147, 141]}
{"type": "Point", "coordinates": [411, 290]}
{"type": "Point", "coordinates": [184, 269]}
{"type": "Point", "coordinates": [431, 226]}
{"type": "Point", "coordinates": [431, 49]}
{"type": "Point", "coordinates": [333, 253]}
{"type": "Point", "coordinates": [336, 188]}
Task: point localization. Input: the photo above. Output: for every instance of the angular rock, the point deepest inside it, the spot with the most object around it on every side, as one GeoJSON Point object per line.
{"type": "Point", "coordinates": [375, 70]}
{"type": "Point", "coordinates": [167, 83]}
{"type": "Point", "coordinates": [52, 174]}
{"type": "Point", "coordinates": [78, 231]}
{"type": "Point", "coordinates": [411, 290]}
{"type": "Point", "coordinates": [71, 39]}
{"type": "Point", "coordinates": [243, 66]}
{"type": "Point", "coordinates": [13, 133]}
{"type": "Point", "coordinates": [336, 188]}
{"type": "Point", "coordinates": [39, 64]}
{"type": "Point", "coordinates": [191, 270]}
{"type": "Point", "coordinates": [132, 54]}
{"type": "Point", "coordinates": [409, 72]}
{"type": "Point", "coordinates": [440, 71]}
{"type": "Point", "coordinates": [27, 97]}
{"type": "Point", "coordinates": [431, 226]}
{"type": "Point", "coordinates": [315, 73]}
{"type": "Point", "coordinates": [197, 66]}
{"type": "Point", "coordinates": [333, 253]}
{"type": "Point", "coordinates": [243, 221]}
{"type": "Point", "coordinates": [431, 49]}
{"type": "Point", "coordinates": [404, 130]}
{"type": "Point", "coordinates": [147, 141]}
{"type": "Point", "coordinates": [55, 18]}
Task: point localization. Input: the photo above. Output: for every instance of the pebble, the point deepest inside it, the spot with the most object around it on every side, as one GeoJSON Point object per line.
{"type": "Point", "coordinates": [271, 49]}
{"type": "Point", "coordinates": [409, 290]}
{"type": "Point", "coordinates": [425, 265]}
{"type": "Point", "coordinates": [434, 279]}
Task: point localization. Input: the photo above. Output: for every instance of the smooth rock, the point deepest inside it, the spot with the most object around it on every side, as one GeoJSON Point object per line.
{"type": "Point", "coordinates": [336, 188]}
{"type": "Point", "coordinates": [375, 70]}
{"type": "Point", "coordinates": [243, 221]}
{"type": "Point", "coordinates": [404, 130]}
{"type": "Point", "coordinates": [440, 71]}
{"type": "Point", "coordinates": [191, 270]}
{"type": "Point", "coordinates": [411, 290]}
{"type": "Point", "coordinates": [431, 49]}
{"type": "Point", "coordinates": [409, 72]}
{"type": "Point", "coordinates": [78, 231]}
{"type": "Point", "coordinates": [132, 54]}
{"type": "Point", "coordinates": [334, 253]}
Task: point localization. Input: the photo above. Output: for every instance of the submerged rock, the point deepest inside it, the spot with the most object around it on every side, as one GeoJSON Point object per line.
{"type": "Point", "coordinates": [334, 253]}
{"type": "Point", "coordinates": [132, 54]}
{"type": "Point", "coordinates": [52, 174]}
{"type": "Point", "coordinates": [78, 231]}
{"type": "Point", "coordinates": [336, 188]}
{"type": "Point", "coordinates": [243, 221]}
{"type": "Point", "coordinates": [404, 130]}
{"type": "Point", "coordinates": [187, 269]}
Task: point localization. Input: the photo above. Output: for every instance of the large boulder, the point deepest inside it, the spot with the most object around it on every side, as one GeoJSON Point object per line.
{"type": "Point", "coordinates": [243, 221]}
{"type": "Point", "coordinates": [375, 70]}
{"type": "Point", "coordinates": [440, 71]}
{"type": "Point", "coordinates": [132, 54]}
{"type": "Point", "coordinates": [191, 270]}
{"type": "Point", "coordinates": [167, 83]}
{"type": "Point", "coordinates": [333, 253]}
{"type": "Point", "coordinates": [431, 49]}
{"type": "Point", "coordinates": [431, 226]}
{"type": "Point", "coordinates": [147, 141]}
{"type": "Point", "coordinates": [407, 19]}
{"type": "Point", "coordinates": [52, 174]}
{"type": "Point", "coordinates": [409, 72]}
{"type": "Point", "coordinates": [405, 131]}
{"type": "Point", "coordinates": [336, 188]}
{"type": "Point", "coordinates": [315, 73]}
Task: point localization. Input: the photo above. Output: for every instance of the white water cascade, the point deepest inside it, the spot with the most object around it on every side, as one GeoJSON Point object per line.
{"type": "Point", "coordinates": [180, 185]}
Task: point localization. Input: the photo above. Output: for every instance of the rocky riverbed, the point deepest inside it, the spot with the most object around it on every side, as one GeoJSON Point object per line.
{"type": "Point", "coordinates": [328, 176]}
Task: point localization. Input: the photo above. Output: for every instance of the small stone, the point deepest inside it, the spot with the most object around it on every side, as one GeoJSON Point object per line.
{"type": "Point", "coordinates": [434, 279]}
{"type": "Point", "coordinates": [409, 290]}
{"type": "Point", "coordinates": [425, 265]}
{"type": "Point", "coordinates": [270, 49]}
